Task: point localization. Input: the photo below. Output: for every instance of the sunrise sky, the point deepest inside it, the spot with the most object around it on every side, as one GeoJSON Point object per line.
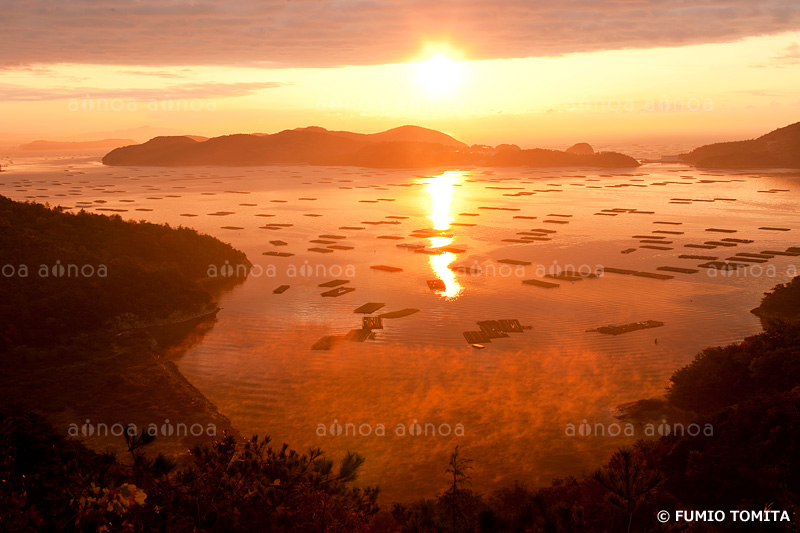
{"type": "Point", "coordinates": [515, 71]}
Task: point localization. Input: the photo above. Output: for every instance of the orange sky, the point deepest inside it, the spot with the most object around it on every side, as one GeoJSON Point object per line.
{"type": "Point", "coordinates": [658, 74]}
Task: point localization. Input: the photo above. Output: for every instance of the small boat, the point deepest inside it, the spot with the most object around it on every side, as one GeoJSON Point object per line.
{"type": "Point", "coordinates": [478, 346]}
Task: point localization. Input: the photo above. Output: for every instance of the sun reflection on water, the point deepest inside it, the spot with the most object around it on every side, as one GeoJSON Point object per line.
{"type": "Point", "coordinates": [441, 189]}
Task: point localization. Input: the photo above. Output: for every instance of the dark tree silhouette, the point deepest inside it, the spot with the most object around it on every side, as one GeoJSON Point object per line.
{"type": "Point", "coordinates": [628, 482]}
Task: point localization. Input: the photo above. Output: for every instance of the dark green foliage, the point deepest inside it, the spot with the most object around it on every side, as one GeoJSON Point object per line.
{"type": "Point", "coordinates": [458, 496]}
{"type": "Point", "coordinates": [51, 483]}
{"type": "Point", "coordinates": [628, 481]}
{"type": "Point", "coordinates": [43, 474]}
{"type": "Point", "coordinates": [782, 302]}
{"type": "Point", "coordinates": [458, 509]}
{"type": "Point", "coordinates": [151, 272]}
{"type": "Point", "coordinates": [751, 461]}
{"type": "Point", "coordinates": [720, 377]}
{"type": "Point", "coordinates": [256, 487]}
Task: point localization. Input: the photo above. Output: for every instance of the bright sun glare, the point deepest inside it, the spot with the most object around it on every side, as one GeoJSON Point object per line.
{"type": "Point", "coordinates": [440, 75]}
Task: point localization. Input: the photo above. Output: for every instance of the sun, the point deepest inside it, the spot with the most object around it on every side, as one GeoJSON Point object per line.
{"type": "Point", "coordinates": [440, 75]}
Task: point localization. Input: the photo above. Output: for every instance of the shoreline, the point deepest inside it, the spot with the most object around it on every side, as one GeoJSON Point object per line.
{"type": "Point", "coordinates": [92, 397]}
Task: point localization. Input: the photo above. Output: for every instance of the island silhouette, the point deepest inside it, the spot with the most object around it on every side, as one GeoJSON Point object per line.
{"type": "Point", "coordinates": [778, 149]}
{"type": "Point", "coordinates": [401, 147]}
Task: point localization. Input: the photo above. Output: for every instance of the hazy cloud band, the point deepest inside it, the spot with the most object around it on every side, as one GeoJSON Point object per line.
{"type": "Point", "coordinates": [330, 33]}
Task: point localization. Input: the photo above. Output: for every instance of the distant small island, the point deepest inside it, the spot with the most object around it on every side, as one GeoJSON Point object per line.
{"type": "Point", "coordinates": [777, 149]}
{"type": "Point", "coordinates": [76, 145]}
{"type": "Point", "coordinates": [402, 147]}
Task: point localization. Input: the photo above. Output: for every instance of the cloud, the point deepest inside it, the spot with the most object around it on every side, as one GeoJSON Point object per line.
{"type": "Point", "coordinates": [154, 73]}
{"type": "Point", "coordinates": [20, 93]}
{"type": "Point", "coordinates": [336, 32]}
{"type": "Point", "coordinates": [36, 70]}
{"type": "Point", "coordinates": [789, 55]}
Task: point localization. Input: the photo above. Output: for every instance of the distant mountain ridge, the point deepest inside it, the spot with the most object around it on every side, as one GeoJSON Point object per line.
{"type": "Point", "coordinates": [401, 147]}
{"type": "Point", "coordinates": [778, 149]}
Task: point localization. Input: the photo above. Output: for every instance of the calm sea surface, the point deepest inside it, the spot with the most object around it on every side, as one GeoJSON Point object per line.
{"type": "Point", "coordinates": [509, 405]}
